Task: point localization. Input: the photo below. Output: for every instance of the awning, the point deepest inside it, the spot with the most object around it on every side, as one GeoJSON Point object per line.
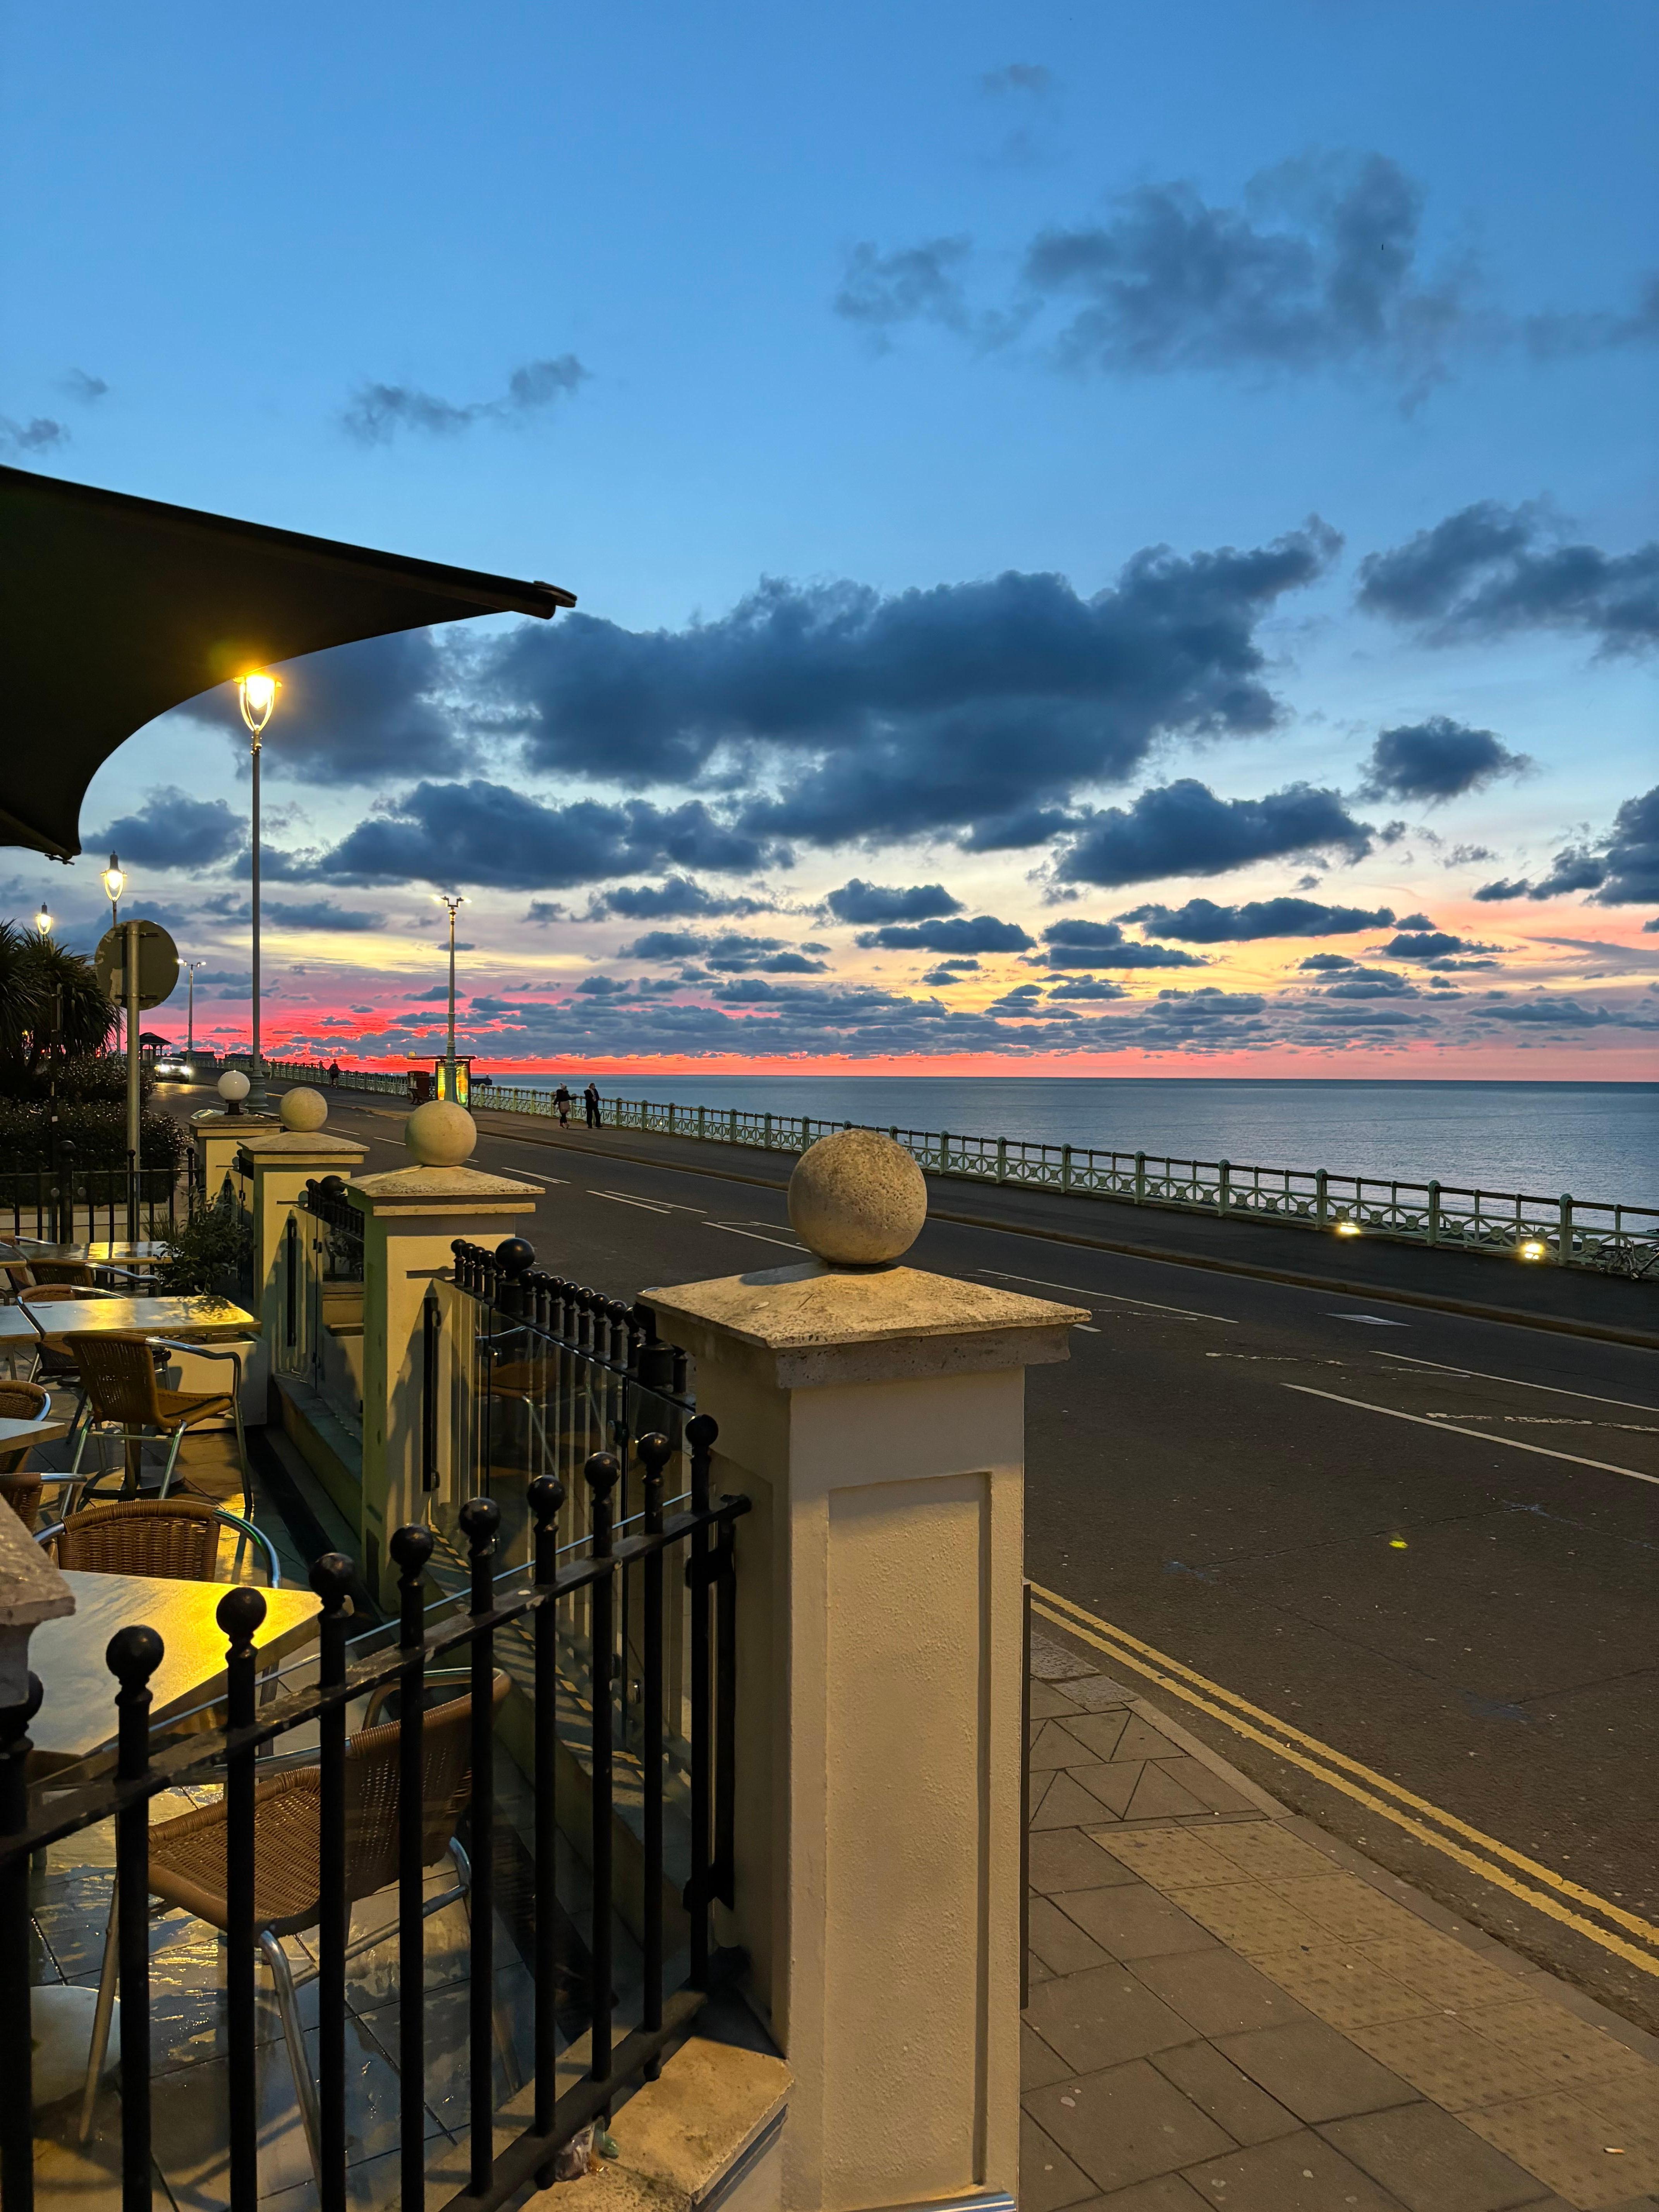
{"type": "Point", "coordinates": [114, 609]}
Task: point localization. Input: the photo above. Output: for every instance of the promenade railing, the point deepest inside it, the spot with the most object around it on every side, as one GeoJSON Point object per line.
{"type": "Point", "coordinates": [1604, 1235]}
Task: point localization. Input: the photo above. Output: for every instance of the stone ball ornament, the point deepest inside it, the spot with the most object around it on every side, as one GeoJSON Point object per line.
{"type": "Point", "coordinates": [441, 1134]}
{"type": "Point", "coordinates": [302, 1109]}
{"type": "Point", "coordinates": [234, 1087]}
{"type": "Point", "coordinates": [857, 1199]}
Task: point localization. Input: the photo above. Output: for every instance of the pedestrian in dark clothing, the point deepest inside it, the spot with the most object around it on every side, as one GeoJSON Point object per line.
{"type": "Point", "coordinates": [591, 1100]}
{"type": "Point", "coordinates": [562, 1103]}
{"type": "Point", "coordinates": [334, 1075]}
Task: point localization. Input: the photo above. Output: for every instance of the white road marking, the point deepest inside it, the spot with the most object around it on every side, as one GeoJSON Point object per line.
{"type": "Point", "coordinates": [1371, 1321]}
{"type": "Point", "coordinates": [1119, 1298]}
{"type": "Point", "coordinates": [622, 1198]}
{"type": "Point", "coordinates": [1447, 1428]}
{"type": "Point", "coordinates": [535, 1176]}
{"type": "Point", "coordinates": [789, 1244]}
{"type": "Point", "coordinates": [1088, 1328]}
{"type": "Point", "coordinates": [1480, 1374]}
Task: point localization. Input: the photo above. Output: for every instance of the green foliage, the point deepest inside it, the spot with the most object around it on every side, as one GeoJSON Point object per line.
{"type": "Point", "coordinates": [210, 1252]}
{"type": "Point", "coordinates": [97, 1127]}
{"type": "Point", "coordinates": [53, 1007]}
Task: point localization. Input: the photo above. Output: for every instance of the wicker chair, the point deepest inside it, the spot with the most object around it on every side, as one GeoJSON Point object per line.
{"type": "Point", "coordinates": [76, 1272]}
{"type": "Point", "coordinates": [187, 1869]}
{"type": "Point", "coordinates": [175, 1538]}
{"type": "Point", "coordinates": [20, 1401]}
{"type": "Point", "coordinates": [122, 1395]}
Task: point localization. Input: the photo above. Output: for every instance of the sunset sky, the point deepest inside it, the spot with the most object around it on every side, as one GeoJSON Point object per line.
{"type": "Point", "coordinates": [1115, 539]}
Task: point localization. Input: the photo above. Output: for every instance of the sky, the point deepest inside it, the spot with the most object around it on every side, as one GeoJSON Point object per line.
{"type": "Point", "coordinates": [1107, 540]}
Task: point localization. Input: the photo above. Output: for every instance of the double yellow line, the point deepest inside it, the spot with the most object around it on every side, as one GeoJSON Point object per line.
{"type": "Point", "coordinates": [1595, 1917]}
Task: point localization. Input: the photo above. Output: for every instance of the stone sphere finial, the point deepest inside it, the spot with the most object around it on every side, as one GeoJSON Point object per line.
{"type": "Point", "coordinates": [441, 1134]}
{"type": "Point", "coordinates": [857, 1199]}
{"type": "Point", "coordinates": [234, 1087]}
{"type": "Point", "coordinates": [302, 1109]}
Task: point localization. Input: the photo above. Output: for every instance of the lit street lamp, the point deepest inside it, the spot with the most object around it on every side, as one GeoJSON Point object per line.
{"type": "Point", "coordinates": [115, 882]}
{"type": "Point", "coordinates": [444, 899]}
{"type": "Point", "coordinates": [257, 696]}
{"type": "Point", "coordinates": [191, 966]}
{"type": "Point", "coordinates": [43, 920]}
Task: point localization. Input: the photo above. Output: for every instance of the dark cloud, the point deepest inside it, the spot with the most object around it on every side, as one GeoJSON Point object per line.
{"type": "Point", "coordinates": [1320, 268]}
{"type": "Point", "coordinates": [1200, 921]}
{"type": "Point", "coordinates": [40, 434]}
{"type": "Point", "coordinates": [728, 954]}
{"type": "Point", "coordinates": [354, 714]}
{"type": "Point", "coordinates": [1182, 829]}
{"type": "Point", "coordinates": [1556, 336]}
{"type": "Point", "coordinates": [1086, 986]}
{"type": "Point", "coordinates": [1489, 570]}
{"type": "Point", "coordinates": [485, 833]}
{"type": "Point", "coordinates": [1323, 964]}
{"type": "Point", "coordinates": [1078, 944]}
{"type": "Point", "coordinates": [1621, 869]}
{"type": "Point", "coordinates": [966, 709]}
{"type": "Point", "coordinates": [1029, 78]}
{"type": "Point", "coordinates": [679, 895]}
{"type": "Point", "coordinates": [172, 830]}
{"type": "Point", "coordinates": [979, 933]}
{"type": "Point", "coordinates": [949, 971]}
{"type": "Point", "coordinates": [1435, 947]}
{"type": "Point", "coordinates": [1372, 983]}
{"type": "Point", "coordinates": [1437, 760]}
{"type": "Point", "coordinates": [1556, 1013]}
{"type": "Point", "coordinates": [323, 913]}
{"type": "Point", "coordinates": [859, 901]}
{"type": "Point", "coordinates": [75, 384]}
{"type": "Point", "coordinates": [377, 411]}
{"type": "Point", "coordinates": [603, 987]}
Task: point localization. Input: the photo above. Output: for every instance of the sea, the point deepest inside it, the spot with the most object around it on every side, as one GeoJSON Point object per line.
{"type": "Point", "coordinates": [1597, 1140]}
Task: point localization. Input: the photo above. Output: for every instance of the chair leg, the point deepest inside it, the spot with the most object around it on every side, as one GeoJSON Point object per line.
{"type": "Point", "coordinates": [242, 1453]}
{"type": "Point", "coordinates": [173, 1458]}
{"type": "Point", "coordinates": [100, 2021]}
{"type": "Point", "coordinates": [288, 2006]}
{"type": "Point", "coordinates": [504, 2049]}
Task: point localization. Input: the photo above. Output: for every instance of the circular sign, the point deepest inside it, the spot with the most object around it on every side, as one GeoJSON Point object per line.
{"type": "Point", "coordinates": [158, 962]}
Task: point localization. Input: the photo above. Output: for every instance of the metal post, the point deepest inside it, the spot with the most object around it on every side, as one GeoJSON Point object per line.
{"type": "Point", "coordinates": [1224, 1178]}
{"type": "Point", "coordinates": [1434, 1213]}
{"type": "Point", "coordinates": [411, 1548]}
{"type": "Point", "coordinates": [239, 1614]}
{"type": "Point", "coordinates": [1140, 1178]}
{"type": "Point", "coordinates": [480, 1519]}
{"type": "Point", "coordinates": [601, 1470]}
{"type": "Point", "coordinates": [17, 2045]}
{"type": "Point", "coordinates": [1065, 1167]}
{"type": "Point", "coordinates": [130, 979]}
{"type": "Point", "coordinates": [256, 1068]}
{"type": "Point", "coordinates": [1002, 1159]}
{"type": "Point", "coordinates": [132, 1657]}
{"type": "Point", "coordinates": [1321, 1195]}
{"type": "Point", "coordinates": [1564, 1233]}
{"type": "Point", "coordinates": [330, 1577]}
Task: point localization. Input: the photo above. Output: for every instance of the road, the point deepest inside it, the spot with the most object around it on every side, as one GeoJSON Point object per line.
{"type": "Point", "coordinates": [1397, 1564]}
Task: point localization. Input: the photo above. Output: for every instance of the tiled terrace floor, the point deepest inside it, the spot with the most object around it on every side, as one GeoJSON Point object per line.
{"type": "Point", "coordinates": [1227, 2010]}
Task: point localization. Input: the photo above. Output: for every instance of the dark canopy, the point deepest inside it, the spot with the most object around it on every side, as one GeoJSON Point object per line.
{"type": "Point", "coordinates": [114, 609]}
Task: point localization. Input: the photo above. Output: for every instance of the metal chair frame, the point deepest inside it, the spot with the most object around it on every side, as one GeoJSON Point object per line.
{"type": "Point", "coordinates": [245, 1528]}
{"type": "Point", "coordinates": [146, 1433]}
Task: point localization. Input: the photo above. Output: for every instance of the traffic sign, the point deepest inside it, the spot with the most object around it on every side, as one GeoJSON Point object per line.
{"type": "Point", "coordinates": [158, 962]}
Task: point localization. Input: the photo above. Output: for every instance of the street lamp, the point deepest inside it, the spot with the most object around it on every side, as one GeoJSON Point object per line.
{"type": "Point", "coordinates": [257, 696]}
{"type": "Point", "coordinates": [445, 899]}
{"type": "Point", "coordinates": [43, 920]}
{"type": "Point", "coordinates": [115, 882]}
{"type": "Point", "coordinates": [191, 966]}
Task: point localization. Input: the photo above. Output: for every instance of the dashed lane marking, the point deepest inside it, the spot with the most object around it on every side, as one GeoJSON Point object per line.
{"type": "Point", "coordinates": [1118, 1298]}
{"type": "Point", "coordinates": [1514, 1381]}
{"type": "Point", "coordinates": [1452, 1429]}
{"type": "Point", "coordinates": [1545, 1890]}
{"type": "Point", "coordinates": [1370, 1320]}
{"type": "Point", "coordinates": [737, 1229]}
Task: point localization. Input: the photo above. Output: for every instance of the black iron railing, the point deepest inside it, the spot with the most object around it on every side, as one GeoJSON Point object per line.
{"type": "Point", "coordinates": [622, 2051]}
{"type": "Point", "coordinates": [71, 1203]}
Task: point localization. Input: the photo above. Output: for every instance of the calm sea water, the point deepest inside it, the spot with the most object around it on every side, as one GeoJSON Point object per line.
{"type": "Point", "coordinates": [1598, 1140]}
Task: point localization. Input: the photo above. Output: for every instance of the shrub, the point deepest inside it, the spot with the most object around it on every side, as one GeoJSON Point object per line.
{"type": "Point", "coordinates": [209, 1252]}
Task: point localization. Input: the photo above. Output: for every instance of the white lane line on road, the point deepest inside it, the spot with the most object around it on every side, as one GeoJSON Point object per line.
{"type": "Point", "coordinates": [1450, 1428]}
{"type": "Point", "coordinates": [536, 1177]}
{"type": "Point", "coordinates": [1088, 1328]}
{"type": "Point", "coordinates": [1555, 1389]}
{"type": "Point", "coordinates": [1120, 1298]}
{"type": "Point", "coordinates": [1371, 1320]}
{"type": "Point", "coordinates": [789, 1244]}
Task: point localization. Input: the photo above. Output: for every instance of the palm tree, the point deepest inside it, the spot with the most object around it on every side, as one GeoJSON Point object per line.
{"type": "Point", "coordinates": [20, 995]}
{"type": "Point", "coordinates": [86, 1017]}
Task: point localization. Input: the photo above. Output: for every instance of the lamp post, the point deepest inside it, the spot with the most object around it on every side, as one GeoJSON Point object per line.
{"type": "Point", "coordinates": [445, 899]}
{"type": "Point", "coordinates": [43, 920]}
{"type": "Point", "coordinates": [257, 696]}
{"type": "Point", "coordinates": [115, 882]}
{"type": "Point", "coordinates": [191, 966]}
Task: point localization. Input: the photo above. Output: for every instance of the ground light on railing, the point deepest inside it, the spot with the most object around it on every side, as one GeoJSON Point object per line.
{"type": "Point", "coordinates": [1534, 1250]}
{"type": "Point", "coordinates": [1348, 1228]}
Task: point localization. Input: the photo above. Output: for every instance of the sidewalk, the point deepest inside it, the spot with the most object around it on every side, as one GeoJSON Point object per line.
{"type": "Point", "coordinates": [1229, 2008]}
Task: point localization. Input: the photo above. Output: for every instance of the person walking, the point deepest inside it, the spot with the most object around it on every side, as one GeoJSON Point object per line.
{"type": "Point", "coordinates": [591, 1100]}
{"type": "Point", "coordinates": [562, 1103]}
{"type": "Point", "coordinates": [334, 1075]}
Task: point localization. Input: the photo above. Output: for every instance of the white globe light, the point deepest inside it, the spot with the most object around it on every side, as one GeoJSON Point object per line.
{"type": "Point", "coordinates": [234, 1087]}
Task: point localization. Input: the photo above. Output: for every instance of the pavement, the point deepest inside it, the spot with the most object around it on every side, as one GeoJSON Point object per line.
{"type": "Point", "coordinates": [1392, 1561]}
{"type": "Point", "coordinates": [1228, 2008]}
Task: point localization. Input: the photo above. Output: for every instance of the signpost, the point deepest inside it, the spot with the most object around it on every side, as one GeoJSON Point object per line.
{"type": "Point", "coordinates": [138, 965]}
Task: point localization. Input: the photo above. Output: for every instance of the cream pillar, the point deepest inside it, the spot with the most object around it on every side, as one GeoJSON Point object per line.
{"type": "Point", "coordinates": [276, 1167]}
{"type": "Point", "coordinates": [876, 1420]}
{"type": "Point", "coordinates": [411, 1218]}
{"type": "Point", "coordinates": [218, 1136]}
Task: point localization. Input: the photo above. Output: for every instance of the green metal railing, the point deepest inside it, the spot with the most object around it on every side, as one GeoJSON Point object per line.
{"type": "Point", "coordinates": [1610, 1237]}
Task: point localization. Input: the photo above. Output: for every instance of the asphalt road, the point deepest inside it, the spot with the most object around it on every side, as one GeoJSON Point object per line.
{"type": "Point", "coordinates": [1427, 1541]}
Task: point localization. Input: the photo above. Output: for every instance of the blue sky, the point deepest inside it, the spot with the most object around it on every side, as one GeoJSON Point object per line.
{"type": "Point", "coordinates": [943, 320]}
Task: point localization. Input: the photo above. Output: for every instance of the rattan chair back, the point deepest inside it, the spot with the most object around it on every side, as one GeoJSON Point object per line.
{"type": "Point", "coordinates": [118, 1376]}
{"type": "Point", "coordinates": [54, 1272]}
{"type": "Point", "coordinates": [23, 1493]}
{"type": "Point", "coordinates": [372, 1791]}
{"type": "Point", "coordinates": [177, 1537]}
{"type": "Point", "coordinates": [21, 1402]}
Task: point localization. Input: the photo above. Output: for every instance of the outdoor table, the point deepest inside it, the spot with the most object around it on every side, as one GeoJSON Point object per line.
{"type": "Point", "coordinates": [46, 1431]}
{"type": "Point", "coordinates": [77, 1717]}
{"type": "Point", "coordinates": [208, 1318]}
{"type": "Point", "coordinates": [24, 1250]}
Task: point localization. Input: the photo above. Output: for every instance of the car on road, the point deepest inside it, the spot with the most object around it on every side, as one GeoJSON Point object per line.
{"type": "Point", "coordinates": [173, 1067]}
